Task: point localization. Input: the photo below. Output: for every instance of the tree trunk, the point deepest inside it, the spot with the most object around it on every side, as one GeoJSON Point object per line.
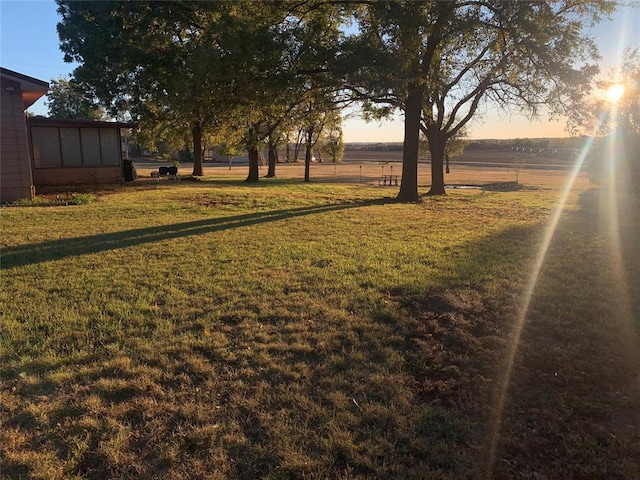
{"type": "Point", "coordinates": [296, 148]}
{"type": "Point", "coordinates": [273, 157]}
{"type": "Point", "coordinates": [436, 147]}
{"type": "Point", "coordinates": [307, 155]}
{"type": "Point", "coordinates": [446, 157]}
{"type": "Point", "coordinates": [196, 132]}
{"type": "Point", "coordinates": [253, 165]}
{"type": "Point", "coordinates": [413, 110]}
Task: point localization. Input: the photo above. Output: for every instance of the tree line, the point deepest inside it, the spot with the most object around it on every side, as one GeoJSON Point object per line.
{"type": "Point", "coordinates": [244, 73]}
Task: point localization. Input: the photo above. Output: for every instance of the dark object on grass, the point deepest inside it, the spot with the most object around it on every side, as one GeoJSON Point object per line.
{"type": "Point", "coordinates": [171, 172]}
{"type": "Point", "coordinates": [129, 170]}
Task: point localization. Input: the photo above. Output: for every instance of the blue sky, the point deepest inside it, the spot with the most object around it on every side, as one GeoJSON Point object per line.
{"type": "Point", "coordinates": [29, 45]}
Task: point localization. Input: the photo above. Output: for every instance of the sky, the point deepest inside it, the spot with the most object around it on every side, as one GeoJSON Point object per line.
{"type": "Point", "coordinates": [29, 45]}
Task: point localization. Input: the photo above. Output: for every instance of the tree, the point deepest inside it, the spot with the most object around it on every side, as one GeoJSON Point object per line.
{"type": "Point", "coordinates": [159, 60]}
{"type": "Point", "coordinates": [314, 119]}
{"type": "Point", "coordinates": [616, 114]}
{"type": "Point", "coordinates": [440, 62]}
{"type": "Point", "coordinates": [197, 64]}
{"type": "Point", "coordinates": [66, 99]}
{"type": "Point", "coordinates": [294, 44]}
{"type": "Point", "coordinates": [331, 142]}
{"type": "Point", "coordinates": [230, 145]}
{"type": "Point", "coordinates": [455, 146]}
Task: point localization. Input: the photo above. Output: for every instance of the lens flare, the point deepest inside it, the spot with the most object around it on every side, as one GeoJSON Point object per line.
{"type": "Point", "coordinates": [614, 93]}
{"type": "Point", "coordinates": [617, 174]}
{"type": "Point", "coordinates": [516, 333]}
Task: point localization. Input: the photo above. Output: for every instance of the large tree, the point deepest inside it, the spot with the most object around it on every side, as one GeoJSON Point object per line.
{"type": "Point", "coordinates": [443, 62]}
{"type": "Point", "coordinates": [200, 64]}
{"type": "Point", "coordinates": [615, 114]}
{"type": "Point", "coordinates": [158, 60]}
{"type": "Point", "coordinates": [68, 100]}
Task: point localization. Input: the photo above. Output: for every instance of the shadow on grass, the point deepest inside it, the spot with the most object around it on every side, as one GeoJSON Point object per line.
{"type": "Point", "coordinates": [22, 255]}
{"type": "Point", "coordinates": [395, 391]}
{"type": "Point", "coordinates": [400, 390]}
{"type": "Point", "coordinates": [574, 406]}
{"type": "Point", "coordinates": [567, 415]}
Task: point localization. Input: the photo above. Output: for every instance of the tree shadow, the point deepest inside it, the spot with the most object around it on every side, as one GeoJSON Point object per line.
{"type": "Point", "coordinates": [34, 253]}
{"type": "Point", "coordinates": [455, 335]}
{"type": "Point", "coordinates": [571, 407]}
{"type": "Point", "coordinates": [450, 338]}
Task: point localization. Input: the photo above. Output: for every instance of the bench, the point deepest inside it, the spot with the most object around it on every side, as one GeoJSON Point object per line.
{"type": "Point", "coordinates": [389, 181]}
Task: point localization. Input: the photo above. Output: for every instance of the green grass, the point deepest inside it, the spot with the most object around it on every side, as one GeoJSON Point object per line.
{"type": "Point", "coordinates": [67, 198]}
{"type": "Point", "coordinates": [220, 330]}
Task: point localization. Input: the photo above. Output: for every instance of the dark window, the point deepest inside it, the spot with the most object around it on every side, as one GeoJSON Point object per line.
{"type": "Point", "coordinates": [71, 149]}
{"type": "Point", "coordinates": [55, 147]}
{"type": "Point", "coordinates": [90, 139]}
{"type": "Point", "coordinates": [110, 146]}
{"type": "Point", "coordinates": [46, 147]}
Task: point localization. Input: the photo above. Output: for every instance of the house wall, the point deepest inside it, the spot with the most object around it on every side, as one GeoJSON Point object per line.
{"type": "Point", "coordinates": [16, 180]}
{"type": "Point", "coordinates": [76, 176]}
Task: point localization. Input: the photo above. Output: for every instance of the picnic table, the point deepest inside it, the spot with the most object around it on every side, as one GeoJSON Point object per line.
{"type": "Point", "coordinates": [389, 181]}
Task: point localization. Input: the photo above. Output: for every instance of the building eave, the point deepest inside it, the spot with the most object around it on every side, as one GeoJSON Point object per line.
{"type": "Point", "coordinates": [31, 88]}
{"type": "Point", "coordinates": [61, 122]}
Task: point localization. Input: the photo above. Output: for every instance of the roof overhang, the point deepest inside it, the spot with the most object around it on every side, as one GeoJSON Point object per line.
{"type": "Point", "coordinates": [60, 122]}
{"type": "Point", "coordinates": [31, 88]}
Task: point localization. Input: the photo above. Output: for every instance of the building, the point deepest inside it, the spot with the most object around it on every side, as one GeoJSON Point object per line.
{"type": "Point", "coordinates": [72, 152]}
{"type": "Point", "coordinates": [38, 151]}
{"type": "Point", "coordinates": [18, 92]}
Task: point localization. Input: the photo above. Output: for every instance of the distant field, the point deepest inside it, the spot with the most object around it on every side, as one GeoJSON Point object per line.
{"type": "Point", "coordinates": [368, 171]}
{"type": "Point", "coordinates": [504, 156]}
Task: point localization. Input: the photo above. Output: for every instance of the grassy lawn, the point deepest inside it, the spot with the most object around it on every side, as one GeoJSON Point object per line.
{"type": "Point", "coordinates": [283, 330]}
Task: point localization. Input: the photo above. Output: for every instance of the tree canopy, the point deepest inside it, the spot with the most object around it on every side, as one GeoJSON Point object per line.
{"type": "Point", "coordinates": [249, 64]}
{"type": "Point", "coordinates": [66, 99]}
{"type": "Point", "coordinates": [198, 65]}
{"type": "Point", "coordinates": [442, 62]}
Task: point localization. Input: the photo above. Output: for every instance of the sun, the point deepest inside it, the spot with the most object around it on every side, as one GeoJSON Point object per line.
{"type": "Point", "coordinates": [615, 92]}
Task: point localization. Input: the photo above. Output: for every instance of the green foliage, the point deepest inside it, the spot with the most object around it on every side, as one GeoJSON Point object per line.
{"type": "Point", "coordinates": [191, 69]}
{"type": "Point", "coordinates": [66, 99]}
{"type": "Point", "coordinates": [441, 61]}
{"type": "Point", "coordinates": [331, 141]}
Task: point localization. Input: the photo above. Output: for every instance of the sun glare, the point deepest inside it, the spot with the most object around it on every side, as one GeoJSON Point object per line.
{"type": "Point", "coordinates": [615, 92]}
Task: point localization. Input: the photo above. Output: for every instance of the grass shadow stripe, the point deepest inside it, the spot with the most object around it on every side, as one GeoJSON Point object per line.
{"type": "Point", "coordinates": [19, 256]}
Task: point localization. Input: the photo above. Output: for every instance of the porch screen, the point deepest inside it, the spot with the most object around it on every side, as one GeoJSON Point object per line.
{"type": "Point", "coordinates": [46, 147]}
{"type": "Point", "coordinates": [110, 146]}
{"type": "Point", "coordinates": [90, 139]}
{"type": "Point", "coordinates": [62, 147]}
{"type": "Point", "coordinates": [71, 150]}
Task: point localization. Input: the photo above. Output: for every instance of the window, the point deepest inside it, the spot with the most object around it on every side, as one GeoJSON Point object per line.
{"type": "Point", "coordinates": [46, 147]}
{"type": "Point", "coordinates": [110, 146]}
{"type": "Point", "coordinates": [90, 139]}
{"type": "Point", "coordinates": [71, 149]}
